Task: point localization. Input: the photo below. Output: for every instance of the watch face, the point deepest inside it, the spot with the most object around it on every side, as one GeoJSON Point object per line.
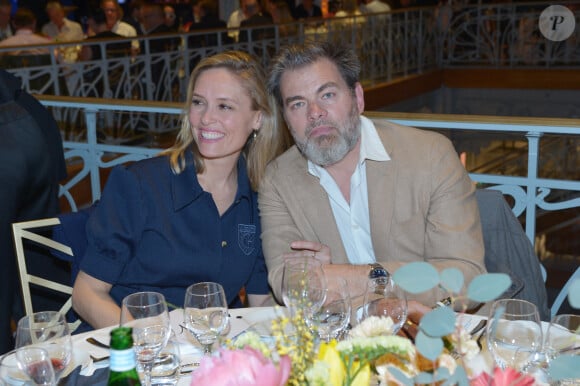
{"type": "Point", "coordinates": [377, 272]}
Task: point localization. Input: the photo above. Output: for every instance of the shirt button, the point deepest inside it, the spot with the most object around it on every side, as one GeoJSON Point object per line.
{"type": "Point", "coordinates": [224, 244]}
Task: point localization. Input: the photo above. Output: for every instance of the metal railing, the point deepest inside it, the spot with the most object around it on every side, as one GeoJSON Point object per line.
{"type": "Point", "coordinates": [391, 46]}
{"type": "Point", "coordinates": [529, 192]}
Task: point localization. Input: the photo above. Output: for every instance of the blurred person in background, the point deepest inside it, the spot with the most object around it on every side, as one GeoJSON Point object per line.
{"type": "Point", "coordinates": [236, 18]}
{"type": "Point", "coordinates": [59, 28]}
{"type": "Point", "coordinates": [307, 9]}
{"type": "Point", "coordinates": [114, 14]}
{"type": "Point", "coordinates": [24, 23]}
{"type": "Point", "coordinates": [5, 25]}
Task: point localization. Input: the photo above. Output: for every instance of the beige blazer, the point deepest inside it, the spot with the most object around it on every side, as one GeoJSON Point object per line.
{"type": "Point", "coordinates": [422, 206]}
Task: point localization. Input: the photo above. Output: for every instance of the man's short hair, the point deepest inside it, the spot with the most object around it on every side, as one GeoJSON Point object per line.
{"type": "Point", "coordinates": [296, 56]}
{"type": "Point", "coordinates": [54, 4]}
{"type": "Point", "coordinates": [23, 18]}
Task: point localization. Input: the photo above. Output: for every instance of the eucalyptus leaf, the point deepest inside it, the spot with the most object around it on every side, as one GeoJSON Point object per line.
{"type": "Point", "coordinates": [458, 378]}
{"type": "Point", "coordinates": [431, 377]}
{"type": "Point", "coordinates": [438, 322]}
{"type": "Point", "coordinates": [429, 347]}
{"type": "Point", "coordinates": [565, 367]}
{"type": "Point", "coordinates": [452, 279]}
{"type": "Point", "coordinates": [416, 277]}
{"type": "Point", "coordinates": [574, 294]}
{"type": "Point", "coordinates": [486, 287]}
{"type": "Point", "coordinates": [401, 377]}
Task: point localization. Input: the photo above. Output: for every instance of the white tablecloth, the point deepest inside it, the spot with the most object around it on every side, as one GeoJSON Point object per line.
{"type": "Point", "coordinates": [240, 320]}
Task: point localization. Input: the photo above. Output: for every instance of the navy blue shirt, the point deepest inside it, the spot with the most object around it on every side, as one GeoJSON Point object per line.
{"type": "Point", "coordinates": [154, 230]}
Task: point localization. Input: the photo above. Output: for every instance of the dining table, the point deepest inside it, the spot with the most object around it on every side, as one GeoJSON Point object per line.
{"type": "Point", "coordinates": [89, 367]}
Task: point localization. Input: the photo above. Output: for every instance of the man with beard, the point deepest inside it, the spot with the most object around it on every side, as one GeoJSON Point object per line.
{"type": "Point", "coordinates": [362, 197]}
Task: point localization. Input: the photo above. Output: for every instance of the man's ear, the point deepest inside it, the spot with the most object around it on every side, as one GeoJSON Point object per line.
{"type": "Point", "coordinates": [360, 97]}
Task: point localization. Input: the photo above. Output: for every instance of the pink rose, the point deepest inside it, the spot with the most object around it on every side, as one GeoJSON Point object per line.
{"type": "Point", "coordinates": [246, 367]}
{"type": "Point", "coordinates": [507, 377]}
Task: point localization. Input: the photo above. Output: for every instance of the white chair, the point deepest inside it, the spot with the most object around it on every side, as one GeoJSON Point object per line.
{"type": "Point", "coordinates": [22, 231]}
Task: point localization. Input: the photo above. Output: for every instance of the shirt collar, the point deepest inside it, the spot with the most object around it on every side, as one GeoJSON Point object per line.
{"type": "Point", "coordinates": [371, 147]}
{"type": "Point", "coordinates": [186, 189]}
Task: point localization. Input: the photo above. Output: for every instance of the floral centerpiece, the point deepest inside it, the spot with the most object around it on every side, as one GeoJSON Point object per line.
{"type": "Point", "coordinates": [370, 354]}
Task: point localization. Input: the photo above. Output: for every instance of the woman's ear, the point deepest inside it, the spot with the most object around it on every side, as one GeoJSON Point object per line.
{"type": "Point", "coordinates": [258, 121]}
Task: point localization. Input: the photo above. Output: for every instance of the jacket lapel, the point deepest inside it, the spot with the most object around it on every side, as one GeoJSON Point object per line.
{"type": "Point", "coordinates": [381, 184]}
{"type": "Point", "coordinates": [316, 206]}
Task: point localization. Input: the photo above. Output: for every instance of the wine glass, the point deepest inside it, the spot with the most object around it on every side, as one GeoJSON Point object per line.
{"type": "Point", "coordinates": [11, 372]}
{"type": "Point", "coordinates": [303, 285]}
{"type": "Point", "coordinates": [383, 298]}
{"type": "Point", "coordinates": [562, 337]}
{"type": "Point", "coordinates": [48, 330]}
{"type": "Point", "coordinates": [205, 313]}
{"type": "Point", "coordinates": [514, 333]}
{"type": "Point", "coordinates": [146, 313]}
{"type": "Point", "coordinates": [334, 314]}
{"type": "Point", "coordinates": [36, 363]}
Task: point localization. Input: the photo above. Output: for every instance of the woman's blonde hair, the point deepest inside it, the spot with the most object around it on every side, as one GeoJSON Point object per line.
{"type": "Point", "coordinates": [263, 145]}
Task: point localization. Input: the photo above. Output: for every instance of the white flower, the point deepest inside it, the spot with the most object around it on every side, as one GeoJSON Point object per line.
{"type": "Point", "coordinates": [317, 374]}
{"type": "Point", "coordinates": [390, 343]}
{"type": "Point", "coordinates": [373, 326]}
{"type": "Point", "coordinates": [463, 343]}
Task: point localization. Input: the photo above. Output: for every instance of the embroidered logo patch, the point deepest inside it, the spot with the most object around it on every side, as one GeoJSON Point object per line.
{"type": "Point", "coordinates": [246, 238]}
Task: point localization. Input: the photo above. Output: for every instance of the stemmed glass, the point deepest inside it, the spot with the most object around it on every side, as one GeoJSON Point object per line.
{"type": "Point", "coordinates": [37, 364]}
{"type": "Point", "coordinates": [303, 285]}
{"type": "Point", "coordinates": [562, 337]}
{"type": "Point", "coordinates": [334, 314]}
{"type": "Point", "coordinates": [146, 313]}
{"type": "Point", "coordinates": [383, 298]}
{"type": "Point", "coordinates": [514, 333]}
{"type": "Point", "coordinates": [29, 361]}
{"type": "Point", "coordinates": [48, 330]}
{"type": "Point", "coordinates": [205, 313]}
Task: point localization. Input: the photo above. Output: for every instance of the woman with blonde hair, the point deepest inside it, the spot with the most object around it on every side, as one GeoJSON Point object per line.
{"type": "Point", "coordinates": [190, 214]}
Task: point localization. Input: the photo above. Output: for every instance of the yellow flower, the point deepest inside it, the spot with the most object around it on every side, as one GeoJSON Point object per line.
{"type": "Point", "coordinates": [327, 353]}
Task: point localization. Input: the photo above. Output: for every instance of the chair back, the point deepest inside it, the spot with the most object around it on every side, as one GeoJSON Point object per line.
{"type": "Point", "coordinates": [508, 250]}
{"type": "Point", "coordinates": [26, 231]}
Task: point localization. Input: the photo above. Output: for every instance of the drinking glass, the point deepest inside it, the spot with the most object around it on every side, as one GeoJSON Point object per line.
{"type": "Point", "coordinates": [205, 313]}
{"type": "Point", "coordinates": [166, 367]}
{"type": "Point", "coordinates": [36, 363]}
{"type": "Point", "coordinates": [384, 298]}
{"type": "Point", "coordinates": [514, 333]}
{"type": "Point", "coordinates": [146, 313]}
{"type": "Point", "coordinates": [563, 337]}
{"type": "Point", "coordinates": [333, 317]}
{"type": "Point", "coordinates": [48, 330]}
{"type": "Point", "coordinates": [303, 285]}
{"type": "Point", "coordinates": [11, 372]}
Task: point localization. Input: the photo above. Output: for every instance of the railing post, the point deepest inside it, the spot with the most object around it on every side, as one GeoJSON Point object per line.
{"type": "Point", "coordinates": [94, 157]}
{"type": "Point", "coordinates": [533, 161]}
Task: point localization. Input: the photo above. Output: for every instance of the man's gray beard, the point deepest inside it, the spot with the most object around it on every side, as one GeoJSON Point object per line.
{"type": "Point", "coordinates": [329, 149]}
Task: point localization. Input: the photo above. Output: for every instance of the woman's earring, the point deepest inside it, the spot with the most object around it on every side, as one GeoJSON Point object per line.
{"type": "Point", "coordinates": [254, 134]}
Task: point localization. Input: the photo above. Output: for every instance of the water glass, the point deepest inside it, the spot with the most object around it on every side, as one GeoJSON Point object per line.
{"type": "Point", "coordinates": [514, 333]}
{"type": "Point", "coordinates": [48, 330]}
{"type": "Point", "coordinates": [303, 285]}
{"type": "Point", "coordinates": [167, 364]}
{"type": "Point", "coordinates": [384, 298]}
{"type": "Point", "coordinates": [205, 312]}
{"type": "Point", "coordinates": [331, 320]}
{"type": "Point", "coordinates": [146, 313]}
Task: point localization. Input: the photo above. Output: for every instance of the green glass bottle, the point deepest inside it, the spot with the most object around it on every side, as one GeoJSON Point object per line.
{"type": "Point", "coordinates": [123, 370]}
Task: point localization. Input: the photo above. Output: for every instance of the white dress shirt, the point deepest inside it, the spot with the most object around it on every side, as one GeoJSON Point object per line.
{"type": "Point", "coordinates": [71, 31]}
{"type": "Point", "coordinates": [353, 219]}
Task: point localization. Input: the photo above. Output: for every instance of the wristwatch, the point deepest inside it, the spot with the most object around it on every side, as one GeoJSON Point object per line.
{"type": "Point", "coordinates": [377, 270]}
